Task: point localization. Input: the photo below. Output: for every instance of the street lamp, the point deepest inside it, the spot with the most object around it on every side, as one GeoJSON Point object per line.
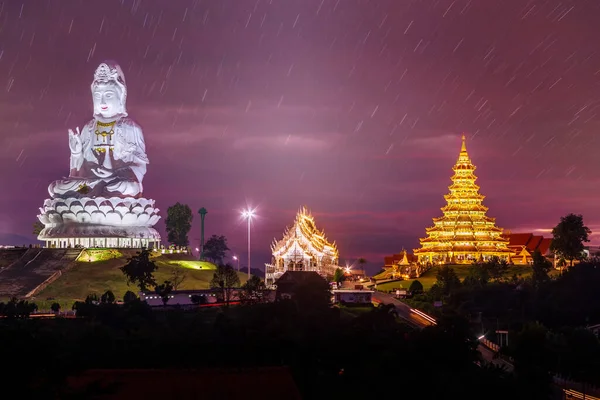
{"type": "Point", "coordinates": [248, 214]}
{"type": "Point", "coordinates": [238, 262]}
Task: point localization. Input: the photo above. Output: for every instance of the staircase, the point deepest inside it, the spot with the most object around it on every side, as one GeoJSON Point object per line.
{"type": "Point", "coordinates": [23, 277]}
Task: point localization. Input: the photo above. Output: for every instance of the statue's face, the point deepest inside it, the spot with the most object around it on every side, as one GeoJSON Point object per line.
{"type": "Point", "coordinates": [107, 102]}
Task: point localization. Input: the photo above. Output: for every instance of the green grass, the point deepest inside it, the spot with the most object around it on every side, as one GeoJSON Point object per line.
{"type": "Point", "coordinates": [429, 277]}
{"type": "Point", "coordinates": [87, 277]}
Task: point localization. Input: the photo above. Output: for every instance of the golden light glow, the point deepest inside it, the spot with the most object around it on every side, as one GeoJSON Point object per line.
{"type": "Point", "coordinates": [464, 233]}
{"type": "Point", "coordinates": [303, 248]}
{"type": "Point", "coordinates": [306, 237]}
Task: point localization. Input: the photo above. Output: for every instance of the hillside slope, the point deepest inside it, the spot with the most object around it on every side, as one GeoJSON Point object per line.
{"type": "Point", "coordinates": [98, 271]}
{"type": "Point", "coordinates": [33, 268]}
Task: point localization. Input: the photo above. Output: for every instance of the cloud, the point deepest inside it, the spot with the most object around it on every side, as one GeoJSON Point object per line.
{"type": "Point", "coordinates": [285, 142]}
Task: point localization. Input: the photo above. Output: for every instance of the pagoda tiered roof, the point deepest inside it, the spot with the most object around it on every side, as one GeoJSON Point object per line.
{"type": "Point", "coordinates": [464, 229]}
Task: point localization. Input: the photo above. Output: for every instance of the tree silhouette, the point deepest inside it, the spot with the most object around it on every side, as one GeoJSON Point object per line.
{"type": "Point", "coordinates": [338, 276]}
{"type": "Point", "coordinates": [179, 223]}
{"type": "Point", "coordinates": [107, 298]}
{"type": "Point", "coordinates": [55, 307]}
{"type": "Point", "coordinates": [416, 287]}
{"type": "Point", "coordinates": [447, 280]}
{"type": "Point", "coordinates": [164, 290]}
{"type": "Point", "coordinates": [568, 238]}
{"type": "Point", "coordinates": [129, 297]}
{"type": "Point", "coordinates": [177, 277]}
{"type": "Point", "coordinates": [541, 267]}
{"type": "Point", "coordinates": [139, 270]}
{"type": "Point", "coordinates": [253, 291]}
{"type": "Point", "coordinates": [226, 279]}
{"type": "Point", "coordinates": [216, 248]}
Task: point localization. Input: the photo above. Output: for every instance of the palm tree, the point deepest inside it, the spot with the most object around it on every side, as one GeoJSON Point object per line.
{"type": "Point", "coordinates": [361, 261]}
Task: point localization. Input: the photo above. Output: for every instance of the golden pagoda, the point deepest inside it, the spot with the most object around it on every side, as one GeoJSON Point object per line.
{"type": "Point", "coordinates": [464, 234]}
{"type": "Point", "coordinates": [303, 248]}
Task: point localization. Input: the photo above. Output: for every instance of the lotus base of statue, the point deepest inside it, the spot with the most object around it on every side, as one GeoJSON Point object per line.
{"type": "Point", "coordinates": [99, 222]}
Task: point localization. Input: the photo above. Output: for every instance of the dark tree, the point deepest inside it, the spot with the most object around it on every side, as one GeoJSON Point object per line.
{"type": "Point", "coordinates": [55, 307]}
{"type": "Point", "coordinates": [338, 276]}
{"type": "Point", "coordinates": [496, 268]}
{"type": "Point", "coordinates": [416, 287]}
{"type": "Point", "coordinates": [179, 223]}
{"type": "Point", "coordinates": [253, 291]}
{"type": "Point", "coordinates": [215, 248]}
{"type": "Point", "coordinates": [129, 297]}
{"type": "Point", "coordinates": [541, 267]}
{"type": "Point", "coordinates": [533, 360]}
{"type": "Point", "coordinates": [447, 280]}
{"type": "Point", "coordinates": [479, 276]}
{"type": "Point", "coordinates": [177, 277]}
{"type": "Point", "coordinates": [140, 270]}
{"type": "Point", "coordinates": [164, 290]}
{"type": "Point", "coordinates": [225, 279]}
{"type": "Point", "coordinates": [37, 227]}
{"type": "Point", "coordinates": [568, 238]}
{"type": "Point", "coordinates": [108, 297]}
{"type": "Point", "coordinates": [18, 308]}
{"type": "Point", "coordinates": [197, 299]}
{"type": "Point", "coordinates": [361, 261]}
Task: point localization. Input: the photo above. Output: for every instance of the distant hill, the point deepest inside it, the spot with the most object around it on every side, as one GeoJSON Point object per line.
{"type": "Point", "coordinates": [10, 239]}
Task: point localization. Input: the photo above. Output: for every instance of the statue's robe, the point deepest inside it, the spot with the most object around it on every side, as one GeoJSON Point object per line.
{"type": "Point", "coordinates": [128, 161]}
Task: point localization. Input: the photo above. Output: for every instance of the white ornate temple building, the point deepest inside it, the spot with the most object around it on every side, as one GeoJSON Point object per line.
{"type": "Point", "coordinates": [303, 248]}
{"type": "Point", "coordinates": [100, 203]}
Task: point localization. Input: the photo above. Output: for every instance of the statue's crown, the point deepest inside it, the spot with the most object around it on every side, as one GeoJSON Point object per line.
{"type": "Point", "coordinates": [104, 73]}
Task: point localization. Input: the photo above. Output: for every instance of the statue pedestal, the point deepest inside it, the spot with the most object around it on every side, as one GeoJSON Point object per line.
{"type": "Point", "coordinates": [99, 222]}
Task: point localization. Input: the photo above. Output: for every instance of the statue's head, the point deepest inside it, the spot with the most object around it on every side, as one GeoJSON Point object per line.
{"type": "Point", "coordinates": [109, 91]}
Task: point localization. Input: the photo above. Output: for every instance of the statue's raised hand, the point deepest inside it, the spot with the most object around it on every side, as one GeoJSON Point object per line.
{"type": "Point", "coordinates": [75, 143]}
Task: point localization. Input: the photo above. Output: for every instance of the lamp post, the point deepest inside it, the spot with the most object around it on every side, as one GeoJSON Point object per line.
{"type": "Point", "coordinates": [248, 214]}
{"type": "Point", "coordinates": [202, 213]}
{"type": "Point", "coordinates": [238, 262]}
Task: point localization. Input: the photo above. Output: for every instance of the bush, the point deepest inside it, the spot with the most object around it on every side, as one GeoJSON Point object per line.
{"type": "Point", "coordinates": [416, 287]}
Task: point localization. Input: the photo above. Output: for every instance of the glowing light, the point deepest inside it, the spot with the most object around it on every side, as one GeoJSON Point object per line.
{"type": "Point", "coordinates": [480, 337]}
{"type": "Point", "coordinates": [234, 257]}
{"type": "Point", "coordinates": [249, 213]}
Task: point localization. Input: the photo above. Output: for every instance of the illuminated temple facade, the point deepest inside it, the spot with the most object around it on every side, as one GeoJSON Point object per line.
{"type": "Point", "coordinates": [464, 233]}
{"type": "Point", "coordinates": [303, 248]}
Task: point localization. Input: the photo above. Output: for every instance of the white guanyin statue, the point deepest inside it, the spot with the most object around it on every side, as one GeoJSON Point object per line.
{"type": "Point", "coordinates": [108, 156]}
{"type": "Point", "coordinates": [100, 203]}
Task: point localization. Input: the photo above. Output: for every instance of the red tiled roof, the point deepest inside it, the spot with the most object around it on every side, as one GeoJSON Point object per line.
{"type": "Point", "coordinates": [530, 241]}
{"type": "Point", "coordinates": [544, 246]}
{"type": "Point", "coordinates": [533, 244]}
{"type": "Point", "coordinates": [519, 239]}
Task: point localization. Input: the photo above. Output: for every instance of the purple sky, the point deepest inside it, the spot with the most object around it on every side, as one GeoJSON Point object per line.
{"type": "Point", "coordinates": [353, 108]}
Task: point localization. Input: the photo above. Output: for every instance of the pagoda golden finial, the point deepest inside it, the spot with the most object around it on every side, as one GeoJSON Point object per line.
{"type": "Point", "coordinates": [464, 143]}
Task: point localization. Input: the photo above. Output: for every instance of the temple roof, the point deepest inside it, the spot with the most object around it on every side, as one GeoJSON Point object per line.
{"type": "Point", "coordinates": [304, 238]}
{"type": "Point", "coordinates": [530, 242]}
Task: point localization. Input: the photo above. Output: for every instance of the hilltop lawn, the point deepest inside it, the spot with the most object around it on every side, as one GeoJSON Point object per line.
{"type": "Point", "coordinates": [102, 273]}
{"type": "Point", "coordinates": [429, 277]}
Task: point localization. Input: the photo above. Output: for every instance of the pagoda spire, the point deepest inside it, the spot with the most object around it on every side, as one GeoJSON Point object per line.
{"type": "Point", "coordinates": [463, 156]}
